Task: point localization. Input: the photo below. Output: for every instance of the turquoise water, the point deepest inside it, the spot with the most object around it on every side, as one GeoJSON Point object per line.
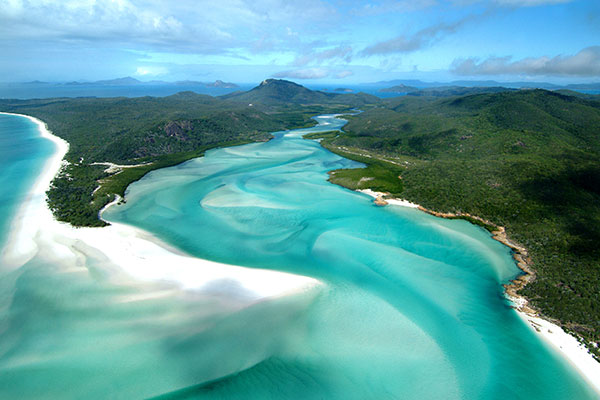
{"type": "Point", "coordinates": [22, 155]}
{"type": "Point", "coordinates": [411, 308]}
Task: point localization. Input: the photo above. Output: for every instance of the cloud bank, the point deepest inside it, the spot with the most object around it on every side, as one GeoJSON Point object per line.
{"type": "Point", "coordinates": [201, 26]}
{"type": "Point", "coordinates": [586, 63]}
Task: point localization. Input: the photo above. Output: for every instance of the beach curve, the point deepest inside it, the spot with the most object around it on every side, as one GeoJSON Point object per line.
{"type": "Point", "coordinates": [130, 253]}
{"type": "Point", "coordinates": [566, 344]}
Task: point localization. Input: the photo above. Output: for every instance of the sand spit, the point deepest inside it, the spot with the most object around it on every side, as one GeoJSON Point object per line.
{"type": "Point", "coordinates": [113, 168]}
{"type": "Point", "coordinates": [380, 199]}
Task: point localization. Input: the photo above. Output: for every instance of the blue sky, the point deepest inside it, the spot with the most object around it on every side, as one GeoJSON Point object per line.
{"type": "Point", "coordinates": [307, 41]}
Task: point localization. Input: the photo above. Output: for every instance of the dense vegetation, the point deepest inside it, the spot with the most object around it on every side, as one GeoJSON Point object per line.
{"type": "Point", "coordinates": [154, 132]}
{"type": "Point", "coordinates": [526, 160]}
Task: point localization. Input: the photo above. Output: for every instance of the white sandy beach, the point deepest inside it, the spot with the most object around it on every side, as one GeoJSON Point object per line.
{"type": "Point", "coordinates": [567, 345]}
{"type": "Point", "coordinates": [129, 253]}
{"type": "Point", "coordinates": [396, 202]}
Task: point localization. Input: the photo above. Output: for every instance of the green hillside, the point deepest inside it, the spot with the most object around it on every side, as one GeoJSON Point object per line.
{"type": "Point", "coordinates": [401, 88]}
{"type": "Point", "coordinates": [526, 160]}
{"type": "Point", "coordinates": [448, 91]}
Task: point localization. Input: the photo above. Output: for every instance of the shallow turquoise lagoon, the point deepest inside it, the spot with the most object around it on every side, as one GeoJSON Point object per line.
{"type": "Point", "coordinates": [411, 307]}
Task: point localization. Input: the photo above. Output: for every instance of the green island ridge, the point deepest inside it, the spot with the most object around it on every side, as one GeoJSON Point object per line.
{"type": "Point", "coordinates": [525, 160]}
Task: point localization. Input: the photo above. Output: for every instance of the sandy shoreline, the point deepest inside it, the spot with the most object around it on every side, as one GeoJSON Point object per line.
{"type": "Point", "coordinates": [379, 200]}
{"type": "Point", "coordinates": [575, 353]}
{"type": "Point", "coordinates": [129, 254]}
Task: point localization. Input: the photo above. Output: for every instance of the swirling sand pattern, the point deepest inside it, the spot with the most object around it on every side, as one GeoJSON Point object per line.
{"type": "Point", "coordinates": [413, 306]}
{"type": "Point", "coordinates": [410, 306]}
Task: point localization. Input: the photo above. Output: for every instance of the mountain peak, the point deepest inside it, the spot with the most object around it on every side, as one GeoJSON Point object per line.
{"type": "Point", "coordinates": [278, 82]}
{"type": "Point", "coordinates": [273, 92]}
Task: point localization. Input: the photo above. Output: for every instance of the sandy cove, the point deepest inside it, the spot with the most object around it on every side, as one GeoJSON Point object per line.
{"type": "Point", "coordinates": [129, 255]}
{"type": "Point", "coordinates": [566, 344]}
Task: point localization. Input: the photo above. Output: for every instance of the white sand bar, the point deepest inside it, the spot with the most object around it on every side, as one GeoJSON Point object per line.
{"type": "Point", "coordinates": [128, 253]}
{"type": "Point", "coordinates": [396, 202]}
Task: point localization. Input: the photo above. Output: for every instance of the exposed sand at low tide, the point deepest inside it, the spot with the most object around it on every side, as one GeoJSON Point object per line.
{"type": "Point", "coordinates": [130, 253]}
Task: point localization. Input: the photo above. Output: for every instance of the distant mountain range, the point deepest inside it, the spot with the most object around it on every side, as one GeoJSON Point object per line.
{"type": "Point", "coordinates": [393, 86]}
{"type": "Point", "coordinates": [417, 84]}
{"type": "Point", "coordinates": [129, 81]}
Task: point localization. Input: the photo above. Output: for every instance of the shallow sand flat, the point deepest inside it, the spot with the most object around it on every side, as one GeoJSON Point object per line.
{"type": "Point", "coordinates": [130, 251]}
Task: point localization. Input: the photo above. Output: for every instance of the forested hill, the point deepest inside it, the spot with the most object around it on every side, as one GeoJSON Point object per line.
{"type": "Point", "coordinates": [276, 92]}
{"type": "Point", "coordinates": [528, 160]}
{"type": "Point", "coordinates": [122, 130]}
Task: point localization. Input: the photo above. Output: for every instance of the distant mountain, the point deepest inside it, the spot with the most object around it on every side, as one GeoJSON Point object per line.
{"type": "Point", "coordinates": [401, 88]}
{"type": "Point", "coordinates": [278, 91]}
{"type": "Point", "coordinates": [466, 83]}
{"type": "Point", "coordinates": [448, 91]}
{"type": "Point", "coordinates": [127, 81]}
{"type": "Point", "coordinates": [36, 83]}
{"type": "Point", "coordinates": [274, 92]}
{"type": "Point", "coordinates": [220, 84]}
{"type": "Point", "coordinates": [343, 90]}
{"type": "Point", "coordinates": [583, 86]}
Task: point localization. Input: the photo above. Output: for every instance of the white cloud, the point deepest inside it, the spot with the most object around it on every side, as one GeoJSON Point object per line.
{"type": "Point", "coordinates": [421, 39]}
{"type": "Point", "coordinates": [151, 71]}
{"type": "Point", "coordinates": [343, 74]}
{"type": "Point", "coordinates": [314, 73]}
{"type": "Point", "coordinates": [585, 63]}
{"type": "Point", "coordinates": [308, 73]}
{"type": "Point", "coordinates": [343, 53]}
{"type": "Point", "coordinates": [201, 26]}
